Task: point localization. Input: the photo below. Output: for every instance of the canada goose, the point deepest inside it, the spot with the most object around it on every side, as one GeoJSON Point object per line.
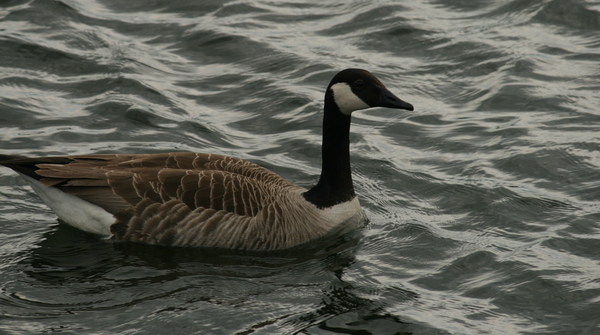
{"type": "Point", "coordinates": [208, 200]}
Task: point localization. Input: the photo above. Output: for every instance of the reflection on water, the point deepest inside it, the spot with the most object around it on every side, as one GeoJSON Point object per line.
{"type": "Point", "coordinates": [483, 202]}
{"type": "Point", "coordinates": [81, 273]}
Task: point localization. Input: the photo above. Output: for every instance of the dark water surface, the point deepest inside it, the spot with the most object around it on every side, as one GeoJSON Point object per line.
{"type": "Point", "coordinates": [483, 202]}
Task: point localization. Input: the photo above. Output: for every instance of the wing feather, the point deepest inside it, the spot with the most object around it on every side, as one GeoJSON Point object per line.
{"type": "Point", "coordinates": [183, 199]}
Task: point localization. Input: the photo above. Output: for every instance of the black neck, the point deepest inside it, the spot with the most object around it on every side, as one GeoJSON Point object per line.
{"type": "Point", "coordinates": [335, 185]}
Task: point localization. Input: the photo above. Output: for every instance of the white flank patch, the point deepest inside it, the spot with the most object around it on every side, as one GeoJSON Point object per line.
{"type": "Point", "coordinates": [73, 210]}
{"type": "Point", "coordinates": [346, 100]}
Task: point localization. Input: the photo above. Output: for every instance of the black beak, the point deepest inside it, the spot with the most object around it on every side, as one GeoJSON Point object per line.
{"type": "Point", "coordinates": [389, 100]}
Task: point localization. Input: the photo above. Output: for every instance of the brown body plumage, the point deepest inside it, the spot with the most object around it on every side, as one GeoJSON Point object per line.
{"type": "Point", "coordinates": [187, 199]}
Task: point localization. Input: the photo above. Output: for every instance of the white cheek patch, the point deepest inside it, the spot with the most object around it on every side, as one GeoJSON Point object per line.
{"type": "Point", "coordinates": [346, 100]}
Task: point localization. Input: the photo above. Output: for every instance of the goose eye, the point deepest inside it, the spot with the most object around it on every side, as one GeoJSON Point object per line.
{"type": "Point", "coordinates": [359, 84]}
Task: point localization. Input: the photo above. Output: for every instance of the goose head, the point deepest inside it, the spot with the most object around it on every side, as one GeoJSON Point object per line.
{"type": "Point", "coordinates": [349, 90]}
{"type": "Point", "coordinates": [355, 89]}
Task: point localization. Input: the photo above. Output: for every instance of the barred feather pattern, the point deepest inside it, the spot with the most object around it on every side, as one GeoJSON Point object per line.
{"type": "Point", "coordinates": [188, 199]}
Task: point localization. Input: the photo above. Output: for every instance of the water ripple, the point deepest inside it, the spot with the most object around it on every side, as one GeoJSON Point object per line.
{"type": "Point", "coordinates": [482, 202]}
